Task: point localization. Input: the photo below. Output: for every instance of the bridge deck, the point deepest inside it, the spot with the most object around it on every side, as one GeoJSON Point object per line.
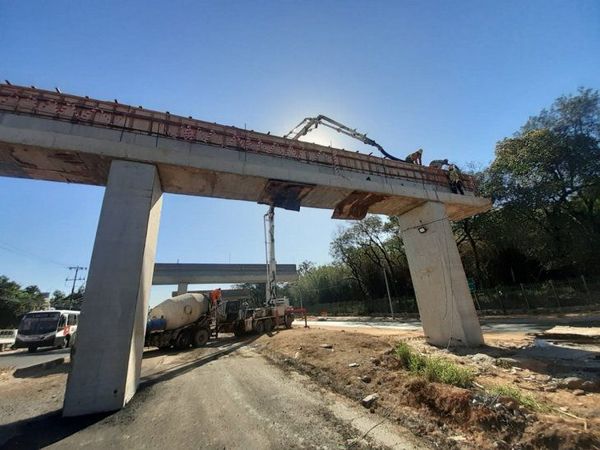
{"type": "Point", "coordinates": [76, 109]}
{"type": "Point", "coordinates": [364, 183]}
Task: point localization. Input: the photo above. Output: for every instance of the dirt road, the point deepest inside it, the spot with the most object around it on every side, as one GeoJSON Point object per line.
{"type": "Point", "coordinates": [236, 401]}
{"type": "Point", "coordinates": [489, 324]}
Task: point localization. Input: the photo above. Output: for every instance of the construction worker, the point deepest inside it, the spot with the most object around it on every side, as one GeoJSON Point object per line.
{"type": "Point", "coordinates": [456, 184]}
{"type": "Point", "coordinates": [215, 296]}
{"type": "Point", "coordinates": [438, 163]}
{"type": "Point", "coordinates": [416, 157]}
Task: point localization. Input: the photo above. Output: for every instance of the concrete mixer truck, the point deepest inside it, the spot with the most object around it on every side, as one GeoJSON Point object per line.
{"type": "Point", "coordinates": [180, 322]}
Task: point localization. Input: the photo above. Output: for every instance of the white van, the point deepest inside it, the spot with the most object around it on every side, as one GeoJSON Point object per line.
{"type": "Point", "coordinates": [50, 328]}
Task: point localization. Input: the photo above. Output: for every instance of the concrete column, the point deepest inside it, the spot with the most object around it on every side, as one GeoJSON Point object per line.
{"type": "Point", "coordinates": [110, 336]}
{"type": "Point", "coordinates": [182, 288]}
{"type": "Point", "coordinates": [445, 304]}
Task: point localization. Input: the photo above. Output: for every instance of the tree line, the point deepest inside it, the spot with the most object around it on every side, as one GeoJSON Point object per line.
{"type": "Point", "coordinates": [15, 301]}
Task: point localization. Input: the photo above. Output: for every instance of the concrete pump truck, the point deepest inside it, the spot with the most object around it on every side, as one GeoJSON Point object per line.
{"type": "Point", "coordinates": [235, 316]}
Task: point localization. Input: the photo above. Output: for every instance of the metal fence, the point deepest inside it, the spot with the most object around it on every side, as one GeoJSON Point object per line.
{"type": "Point", "coordinates": [579, 292]}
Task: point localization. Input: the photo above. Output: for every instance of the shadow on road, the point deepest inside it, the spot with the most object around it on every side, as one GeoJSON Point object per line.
{"type": "Point", "coordinates": [186, 366]}
{"type": "Point", "coordinates": [46, 429]}
{"type": "Point", "coordinates": [43, 370]}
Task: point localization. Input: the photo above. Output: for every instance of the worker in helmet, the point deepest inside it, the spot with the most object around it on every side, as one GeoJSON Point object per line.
{"type": "Point", "coordinates": [456, 184]}
{"type": "Point", "coordinates": [215, 296]}
{"type": "Point", "coordinates": [416, 157]}
{"type": "Point", "coordinates": [438, 163]}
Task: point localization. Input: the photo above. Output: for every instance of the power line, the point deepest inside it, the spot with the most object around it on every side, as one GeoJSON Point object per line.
{"type": "Point", "coordinates": [21, 252]}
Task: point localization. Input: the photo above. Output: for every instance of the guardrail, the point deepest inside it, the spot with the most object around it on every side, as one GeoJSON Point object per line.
{"type": "Point", "coordinates": [7, 339]}
{"type": "Point", "coordinates": [100, 113]}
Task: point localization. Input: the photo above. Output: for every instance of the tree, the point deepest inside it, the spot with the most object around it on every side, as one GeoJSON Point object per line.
{"type": "Point", "coordinates": [16, 301]}
{"type": "Point", "coordinates": [546, 179]}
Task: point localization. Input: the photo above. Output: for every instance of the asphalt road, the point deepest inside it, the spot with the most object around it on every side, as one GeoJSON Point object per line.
{"type": "Point", "coordinates": [237, 401]}
{"type": "Point", "coordinates": [22, 358]}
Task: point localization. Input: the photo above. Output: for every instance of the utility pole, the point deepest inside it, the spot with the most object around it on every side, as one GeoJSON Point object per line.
{"type": "Point", "coordinates": [75, 279]}
{"type": "Point", "coordinates": [387, 287]}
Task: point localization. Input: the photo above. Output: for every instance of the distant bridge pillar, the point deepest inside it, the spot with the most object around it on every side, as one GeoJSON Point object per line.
{"type": "Point", "coordinates": [110, 336]}
{"type": "Point", "coordinates": [443, 297]}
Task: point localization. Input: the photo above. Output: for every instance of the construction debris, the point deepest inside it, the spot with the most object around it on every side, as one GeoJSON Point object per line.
{"type": "Point", "coordinates": [573, 334]}
{"type": "Point", "coordinates": [369, 400]}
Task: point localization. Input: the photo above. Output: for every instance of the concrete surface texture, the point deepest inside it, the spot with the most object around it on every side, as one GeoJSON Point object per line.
{"type": "Point", "coordinates": [184, 273]}
{"type": "Point", "coordinates": [208, 159]}
{"type": "Point", "coordinates": [445, 305]}
{"type": "Point", "coordinates": [111, 331]}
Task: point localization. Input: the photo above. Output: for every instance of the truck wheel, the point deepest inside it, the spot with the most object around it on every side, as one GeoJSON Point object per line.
{"type": "Point", "coordinates": [183, 340]}
{"type": "Point", "coordinates": [239, 330]}
{"type": "Point", "coordinates": [200, 337]}
{"type": "Point", "coordinates": [259, 327]}
{"type": "Point", "coordinates": [288, 321]}
{"type": "Point", "coordinates": [268, 325]}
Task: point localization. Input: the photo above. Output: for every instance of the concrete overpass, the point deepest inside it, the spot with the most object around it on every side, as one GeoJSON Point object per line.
{"type": "Point", "coordinates": [226, 294]}
{"type": "Point", "coordinates": [139, 154]}
{"type": "Point", "coordinates": [166, 273]}
{"type": "Point", "coordinates": [185, 274]}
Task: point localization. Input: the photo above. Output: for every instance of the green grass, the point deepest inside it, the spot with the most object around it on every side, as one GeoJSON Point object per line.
{"type": "Point", "coordinates": [517, 395]}
{"type": "Point", "coordinates": [432, 368]}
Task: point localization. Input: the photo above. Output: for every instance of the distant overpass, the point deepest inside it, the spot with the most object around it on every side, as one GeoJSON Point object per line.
{"type": "Point", "coordinates": [139, 154]}
{"type": "Point", "coordinates": [226, 294]}
{"type": "Point", "coordinates": [219, 273]}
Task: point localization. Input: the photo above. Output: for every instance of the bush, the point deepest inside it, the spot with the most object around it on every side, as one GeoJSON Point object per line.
{"type": "Point", "coordinates": [434, 369]}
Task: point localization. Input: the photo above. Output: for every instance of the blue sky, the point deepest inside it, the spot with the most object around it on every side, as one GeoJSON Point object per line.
{"type": "Point", "coordinates": [450, 77]}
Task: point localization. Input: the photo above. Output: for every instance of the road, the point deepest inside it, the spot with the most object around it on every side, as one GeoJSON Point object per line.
{"type": "Point", "coordinates": [237, 401]}
{"type": "Point", "coordinates": [520, 324]}
{"type": "Point", "coordinates": [22, 358]}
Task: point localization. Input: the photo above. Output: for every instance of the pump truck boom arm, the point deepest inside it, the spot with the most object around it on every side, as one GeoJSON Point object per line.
{"type": "Point", "coordinates": [311, 123]}
{"type": "Point", "coordinates": [271, 288]}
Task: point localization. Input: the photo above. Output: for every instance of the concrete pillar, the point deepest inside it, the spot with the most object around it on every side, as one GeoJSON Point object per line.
{"type": "Point", "coordinates": [182, 288]}
{"type": "Point", "coordinates": [110, 336]}
{"type": "Point", "coordinates": [445, 304]}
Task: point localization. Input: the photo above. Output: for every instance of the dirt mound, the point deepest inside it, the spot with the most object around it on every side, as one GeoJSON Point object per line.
{"type": "Point", "coordinates": [454, 404]}
{"type": "Point", "coordinates": [540, 435]}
